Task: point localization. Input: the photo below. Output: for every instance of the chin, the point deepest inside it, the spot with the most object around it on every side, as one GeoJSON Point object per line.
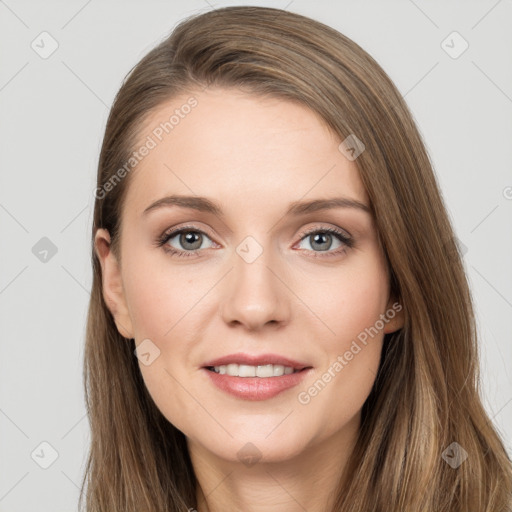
{"type": "Point", "coordinates": [250, 449]}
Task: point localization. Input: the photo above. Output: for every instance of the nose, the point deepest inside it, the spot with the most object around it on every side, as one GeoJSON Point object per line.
{"type": "Point", "coordinates": [254, 294]}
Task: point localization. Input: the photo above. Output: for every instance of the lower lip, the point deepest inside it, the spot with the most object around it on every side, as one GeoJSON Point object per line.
{"type": "Point", "coordinates": [256, 388]}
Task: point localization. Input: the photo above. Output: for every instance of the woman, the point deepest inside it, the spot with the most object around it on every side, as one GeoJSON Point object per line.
{"type": "Point", "coordinates": [314, 347]}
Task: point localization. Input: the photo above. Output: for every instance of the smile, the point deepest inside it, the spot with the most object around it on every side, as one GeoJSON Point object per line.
{"type": "Point", "coordinates": [245, 370]}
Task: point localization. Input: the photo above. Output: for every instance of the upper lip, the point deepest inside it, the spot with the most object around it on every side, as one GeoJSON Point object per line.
{"type": "Point", "coordinates": [257, 360]}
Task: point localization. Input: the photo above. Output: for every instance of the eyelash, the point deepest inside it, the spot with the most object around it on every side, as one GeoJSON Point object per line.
{"type": "Point", "coordinates": [165, 237]}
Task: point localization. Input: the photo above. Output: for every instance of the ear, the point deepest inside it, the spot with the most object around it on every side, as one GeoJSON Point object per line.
{"type": "Point", "coordinates": [395, 314]}
{"type": "Point", "coordinates": [112, 284]}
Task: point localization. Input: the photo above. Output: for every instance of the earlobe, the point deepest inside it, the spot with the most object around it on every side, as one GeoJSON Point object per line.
{"type": "Point", "coordinates": [112, 283]}
{"type": "Point", "coordinates": [395, 315]}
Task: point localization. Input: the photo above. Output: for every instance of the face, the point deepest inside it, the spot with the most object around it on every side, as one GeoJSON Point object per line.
{"type": "Point", "coordinates": [248, 274]}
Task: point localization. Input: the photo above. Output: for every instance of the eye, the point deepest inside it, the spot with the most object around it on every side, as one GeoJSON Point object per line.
{"type": "Point", "coordinates": [189, 241]}
{"type": "Point", "coordinates": [322, 240]}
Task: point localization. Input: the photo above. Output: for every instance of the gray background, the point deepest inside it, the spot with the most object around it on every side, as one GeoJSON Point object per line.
{"type": "Point", "coordinates": [53, 113]}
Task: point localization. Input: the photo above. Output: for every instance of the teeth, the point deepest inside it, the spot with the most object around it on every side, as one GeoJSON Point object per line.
{"type": "Point", "coordinates": [245, 370]}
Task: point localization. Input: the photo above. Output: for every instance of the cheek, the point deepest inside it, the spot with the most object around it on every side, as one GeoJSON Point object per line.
{"type": "Point", "coordinates": [158, 295]}
{"type": "Point", "coordinates": [350, 302]}
{"type": "Point", "coordinates": [352, 346]}
{"type": "Point", "coordinates": [161, 308]}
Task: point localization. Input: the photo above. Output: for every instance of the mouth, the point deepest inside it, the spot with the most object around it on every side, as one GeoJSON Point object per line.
{"type": "Point", "coordinates": [262, 365]}
{"type": "Point", "coordinates": [261, 371]}
{"type": "Point", "coordinates": [252, 387]}
{"type": "Point", "coordinates": [255, 377]}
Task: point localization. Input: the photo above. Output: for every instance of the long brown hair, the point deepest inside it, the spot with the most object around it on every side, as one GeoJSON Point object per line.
{"type": "Point", "coordinates": [426, 395]}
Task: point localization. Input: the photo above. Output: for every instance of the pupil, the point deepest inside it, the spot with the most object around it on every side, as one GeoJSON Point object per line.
{"type": "Point", "coordinates": [320, 238]}
{"type": "Point", "coordinates": [191, 237]}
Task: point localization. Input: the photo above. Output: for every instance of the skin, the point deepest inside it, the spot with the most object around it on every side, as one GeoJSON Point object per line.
{"type": "Point", "coordinates": [254, 156]}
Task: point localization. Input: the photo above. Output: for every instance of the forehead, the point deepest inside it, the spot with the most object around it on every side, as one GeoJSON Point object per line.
{"type": "Point", "coordinates": [239, 147]}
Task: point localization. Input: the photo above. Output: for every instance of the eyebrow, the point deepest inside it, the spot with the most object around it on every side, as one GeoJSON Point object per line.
{"type": "Point", "coordinates": [296, 208]}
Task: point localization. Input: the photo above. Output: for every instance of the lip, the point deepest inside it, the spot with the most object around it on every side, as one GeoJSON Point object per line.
{"type": "Point", "coordinates": [257, 360]}
{"type": "Point", "coordinates": [256, 388]}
